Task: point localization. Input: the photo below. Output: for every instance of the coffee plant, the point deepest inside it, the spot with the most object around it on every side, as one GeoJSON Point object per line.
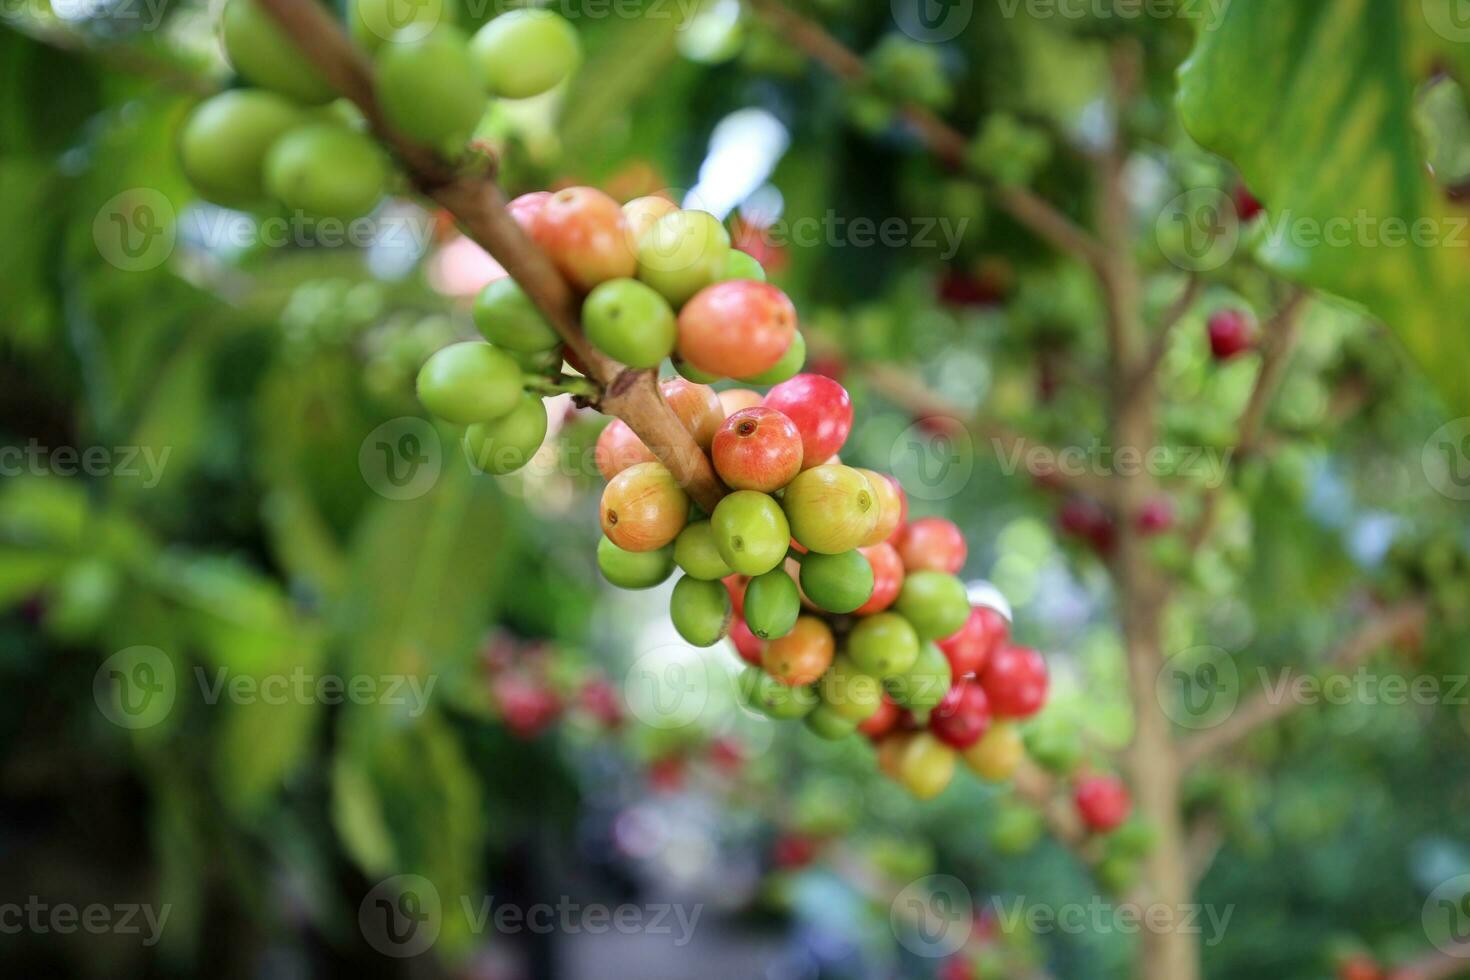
{"type": "Point", "coordinates": [1156, 243]}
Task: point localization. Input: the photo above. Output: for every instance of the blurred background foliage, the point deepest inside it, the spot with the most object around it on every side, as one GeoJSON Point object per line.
{"type": "Point", "coordinates": [255, 376]}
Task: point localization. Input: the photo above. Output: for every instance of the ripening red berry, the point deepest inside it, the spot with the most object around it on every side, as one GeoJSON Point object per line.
{"type": "Point", "coordinates": [821, 410]}
{"type": "Point", "coordinates": [882, 721]}
{"type": "Point", "coordinates": [727, 754]}
{"type": "Point", "coordinates": [600, 700]}
{"type": "Point", "coordinates": [801, 656]}
{"type": "Point", "coordinates": [1078, 516]}
{"type": "Point", "coordinates": [753, 241]}
{"type": "Point", "coordinates": [963, 717]}
{"type": "Point", "coordinates": [1230, 333]}
{"type": "Point", "coordinates": [527, 208]}
{"type": "Point", "coordinates": [666, 775]}
{"type": "Point", "coordinates": [526, 706]}
{"type": "Point", "coordinates": [933, 544]}
{"type": "Point", "coordinates": [1359, 967]}
{"type": "Point", "coordinates": [642, 213]}
{"type": "Point", "coordinates": [644, 508]}
{"type": "Point", "coordinates": [737, 328]}
{"type": "Point", "coordinates": [697, 406]}
{"type": "Point", "coordinates": [735, 585]}
{"type": "Point", "coordinates": [887, 578]}
{"type": "Point", "coordinates": [757, 449]}
{"type": "Point", "coordinates": [618, 447]}
{"type": "Point", "coordinates": [970, 647]}
{"type": "Point", "coordinates": [586, 235]}
{"type": "Point", "coordinates": [1015, 680]}
{"type": "Point", "coordinates": [747, 644]}
{"type": "Point", "coordinates": [828, 365]}
{"type": "Point", "coordinates": [903, 509]}
{"type": "Point", "coordinates": [1085, 519]}
{"type": "Point", "coordinates": [733, 400]}
{"type": "Point", "coordinates": [959, 288]}
{"type": "Point", "coordinates": [793, 851]}
{"type": "Point", "coordinates": [1247, 206]}
{"type": "Point", "coordinates": [1156, 516]}
{"type": "Point", "coordinates": [893, 507]}
{"type": "Point", "coordinates": [957, 968]}
{"type": "Point", "coordinates": [1102, 802]}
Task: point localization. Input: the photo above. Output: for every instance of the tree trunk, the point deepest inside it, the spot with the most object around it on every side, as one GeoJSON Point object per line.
{"type": "Point", "coordinates": [1153, 759]}
{"type": "Point", "coordinates": [1170, 954]}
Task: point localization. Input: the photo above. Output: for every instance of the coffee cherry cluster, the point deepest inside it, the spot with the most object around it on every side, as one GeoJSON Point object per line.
{"type": "Point", "coordinates": [849, 617]}
{"type": "Point", "coordinates": [533, 686]}
{"type": "Point", "coordinates": [250, 146]}
{"type": "Point", "coordinates": [635, 265]}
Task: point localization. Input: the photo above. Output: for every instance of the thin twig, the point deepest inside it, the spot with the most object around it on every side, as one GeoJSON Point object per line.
{"type": "Point", "coordinates": [477, 202]}
{"type": "Point", "coordinates": [1388, 625]}
{"type": "Point", "coordinates": [1277, 344]}
{"type": "Point", "coordinates": [920, 401]}
{"type": "Point", "coordinates": [1038, 788]}
{"type": "Point", "coordinates": [943, 140]}
{"type": "Point", "coordinates": [1159, 345]}
{"type": "Point", "coordinates": [1203, 845]}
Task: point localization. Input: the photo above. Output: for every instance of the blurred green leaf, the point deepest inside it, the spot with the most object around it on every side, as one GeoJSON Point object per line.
{"type": "Point", "coordinates": [422, 578]}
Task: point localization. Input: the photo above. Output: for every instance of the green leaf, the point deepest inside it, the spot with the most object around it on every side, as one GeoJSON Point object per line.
{"type": "Point", "coordinates": [1315, 103]}
{"type": "Point", "coordinates": [423, 574]}
{"type": "Point", "coordinates": [357, 813]}
{"type": "Point", "coordinates": [407, 801]}
{"type": "Point", "coordinates": [263, 728]}
{"type": "Point", "coordinates": [23, 572]}
{"type": "Point", "coordinates": [301, 540]}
